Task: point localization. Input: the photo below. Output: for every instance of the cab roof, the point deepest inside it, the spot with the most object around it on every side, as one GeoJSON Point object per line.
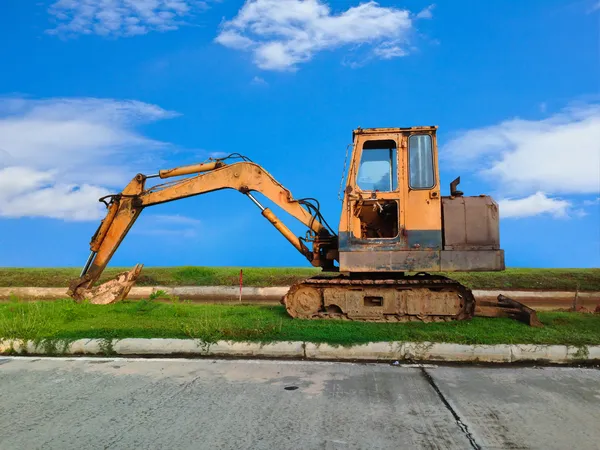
{"type": "Point", "coordinates": [360, 130]}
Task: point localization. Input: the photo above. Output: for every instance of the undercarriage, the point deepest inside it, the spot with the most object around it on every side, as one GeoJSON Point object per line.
{"type": "Point", "coordinates": [421, 297]}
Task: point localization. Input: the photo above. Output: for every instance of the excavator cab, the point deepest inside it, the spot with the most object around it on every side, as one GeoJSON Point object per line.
{"type": "Point", "coordinates": [394, 218]}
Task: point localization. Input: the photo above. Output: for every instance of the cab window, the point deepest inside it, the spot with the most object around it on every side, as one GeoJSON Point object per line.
{"type": "Point", "coordinates": [378, 166]}
{"type": "Point", "coordinates": [420, 162]}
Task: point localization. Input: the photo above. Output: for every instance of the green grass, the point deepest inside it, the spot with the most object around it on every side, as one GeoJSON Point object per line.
{"type": "Point", "coordinates": [539, 279]}
{"type": "Point", "coordinates": [162, 276]}
{"type": "Point", "coordinates": [544, 279]}
{"type": "Point", "coordinates": [65, 320]}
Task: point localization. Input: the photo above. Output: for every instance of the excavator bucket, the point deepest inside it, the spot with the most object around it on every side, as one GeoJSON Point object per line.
{"type": "Point", "coordinates": [112, 291]}
{"type": "Point", "coordinates": [507, 307]}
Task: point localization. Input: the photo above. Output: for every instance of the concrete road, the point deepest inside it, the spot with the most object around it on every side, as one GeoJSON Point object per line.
{"type": "Point", "coordinates": [233, 404]}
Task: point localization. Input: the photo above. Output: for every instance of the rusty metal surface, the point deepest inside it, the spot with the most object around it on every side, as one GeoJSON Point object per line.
{"type": "Point", "coordinates": [548, 301]}
{"type": "Point", "coordinates": [405, 240]}
{"type": "Point", "coordinates": [349, 243]}
{"type": "Point", "coordinates": [110, 292]}
{"type": "Point", "coordinates": [188, 170]}
{"type": "Point", "coordinates": [507, 307]}
{"type": "Point", "coordinates": [471, 223]}
{"type": "Point", "coordinates": [375, 260]}
{"type": "Point", "coordinates": [424, 239]}
{"type": "Point", "coordinates": [471, 260]}
{"type": "Point", "coordinates": [241, 176]}
{"type": "Point", "coordinates": [105, 224]}
{"type": "Point", "coordinates": [125, 207]}
{"type": "Point", "coordinates": [107, 244]}
{"type": "Point", "coordinates": [304, 301]}
{"type": "Point", "coordinates": [375, 302]}
{"type": "Point", "coordinates": [376, 131]}
{"type": "Point", "coordinates": [424, 298]}
{"type": "Point", "coordinates": [287, 233]}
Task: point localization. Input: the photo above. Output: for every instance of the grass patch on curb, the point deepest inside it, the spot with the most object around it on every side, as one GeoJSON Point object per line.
{"type": "Point", "coordinates": [541, 279]}
{"type": "Point", "coordinates": [65, 320]}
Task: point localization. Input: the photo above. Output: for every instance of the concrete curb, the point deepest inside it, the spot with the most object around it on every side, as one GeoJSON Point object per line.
{"type": "Point", "coordinates": [376, 351]}
{"type": "Point", "coordinates": [223, 293]}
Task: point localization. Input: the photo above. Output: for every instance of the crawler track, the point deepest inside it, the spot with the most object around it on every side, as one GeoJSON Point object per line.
{"type": "Point", "coordinates": [422, 297]}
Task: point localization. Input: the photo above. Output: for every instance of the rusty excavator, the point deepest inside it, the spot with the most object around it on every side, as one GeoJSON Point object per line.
{"type": "Point", "coordinates": [394, 222]}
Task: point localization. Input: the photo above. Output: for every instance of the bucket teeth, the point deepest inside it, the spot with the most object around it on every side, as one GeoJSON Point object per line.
{"type": "Point", "coordinates": [112, 291]}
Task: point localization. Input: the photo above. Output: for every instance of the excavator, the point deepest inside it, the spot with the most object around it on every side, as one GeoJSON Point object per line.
{"type": "Point", "coordinates": [395, 230]}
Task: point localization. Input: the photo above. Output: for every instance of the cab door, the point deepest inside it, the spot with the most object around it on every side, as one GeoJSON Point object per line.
{"type": "Point", "coordinates": [375, 203]}
{"type": "Point", "coordinates": [420, 179]}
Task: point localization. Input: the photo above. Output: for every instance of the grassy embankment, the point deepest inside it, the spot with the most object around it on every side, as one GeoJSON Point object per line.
{"type": "Point", "coordinates": [65, 321]}
{"type": "Point", "coordinates": [542, 279]}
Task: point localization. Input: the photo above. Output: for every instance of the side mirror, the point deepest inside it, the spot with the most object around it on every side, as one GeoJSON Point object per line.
{"type": "Point", "coordinates": [453, 191]}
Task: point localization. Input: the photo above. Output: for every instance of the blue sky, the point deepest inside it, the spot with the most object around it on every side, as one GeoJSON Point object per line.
{"type": "Point", "coordinates": [94, 91]}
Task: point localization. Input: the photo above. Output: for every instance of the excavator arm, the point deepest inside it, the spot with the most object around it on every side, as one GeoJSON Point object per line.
{"type": "Point", "coordinates": [245, 177]}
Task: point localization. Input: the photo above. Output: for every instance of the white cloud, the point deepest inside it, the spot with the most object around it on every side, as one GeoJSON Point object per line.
{"type": "Point", "coordinates": [32, 193]}
{"type": "Point", "coordinates": [166, 232]}
{"type": "Point", "coordinates": [595, 7]}
{"type": "Point", "coordinates": [63, 154]}
{"type": "Point", "coordinates": [426, 13]}
{"type": "Point", "coordinates": [531, 162]}
{"type": "Point", "coordinates": [258, 81]}
{"type": "Point", "coordinates": [120, 17]}
{"type": "Point", "coordinates": [284, 33]}
{"type": "Point", "coordinates": [166, 225]}
{"type": "Point", "coordinates": [533, 205]}
{"type": "Point", "coordinates": [175, 219]}
{"type": "Point", "coordinates": [389, 50]}
{"type": "Point", "coordinates": [596, 201]}
{"type": "Point", "coordinates": [5, 158]}
{"type": "Point", "coordinates": [217, 155]}
{"type": "Point", "coordinates": [560, 154]}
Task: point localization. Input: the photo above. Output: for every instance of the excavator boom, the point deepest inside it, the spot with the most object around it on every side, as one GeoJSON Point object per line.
{"type": "Point", "coordinates": [246, 177]}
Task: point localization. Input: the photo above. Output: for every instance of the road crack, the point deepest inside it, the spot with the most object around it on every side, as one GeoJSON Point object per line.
{"type": "Point", "coordinates": [463, 426]}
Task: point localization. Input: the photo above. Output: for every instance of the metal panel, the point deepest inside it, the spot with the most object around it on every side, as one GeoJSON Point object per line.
{"type": "Point", "coordinates": [424, 302]}
{"type": "Point", "coordinates": [416, 239]}
{"type": "Point", "coordinates": [471, 223]}
{"type": "Point", "coordinates": [472, 260]}
{"type": "Point", "coordinates": [422, 261]}
{"type": "Point", "coordinates": [430, 239]}
{"type": "Point", "coordinates": [413, 301]}
{"type": "Point", "coordinates": [390, 261]}
{"type": "Point", "coordinates": [352, 302]}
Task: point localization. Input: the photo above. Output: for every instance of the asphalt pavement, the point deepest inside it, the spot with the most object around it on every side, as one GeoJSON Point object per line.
{"type": "Point", "coordinates": [115, 403]}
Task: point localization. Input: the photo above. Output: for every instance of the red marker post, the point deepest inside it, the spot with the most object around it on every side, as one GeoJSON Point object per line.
{"type": "Point", "coordinates": [241, 283]}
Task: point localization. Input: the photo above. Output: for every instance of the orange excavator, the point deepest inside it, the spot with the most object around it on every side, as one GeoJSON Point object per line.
{"type": "Point", "coordinates": [395, 229]}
